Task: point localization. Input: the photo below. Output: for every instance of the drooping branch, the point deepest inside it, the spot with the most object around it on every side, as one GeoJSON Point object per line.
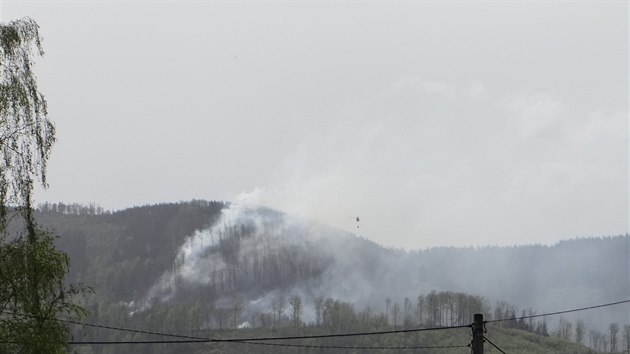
{"type": "Point", "coordinates": [26, 134]}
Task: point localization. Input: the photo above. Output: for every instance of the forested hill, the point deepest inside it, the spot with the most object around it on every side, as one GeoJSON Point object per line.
{"type": "Point", "coordinates": [122, 253]}
{"type": "Point", "coordinates": [251, 257]}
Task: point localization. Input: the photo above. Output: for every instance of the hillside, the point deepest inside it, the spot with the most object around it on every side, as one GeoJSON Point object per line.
{"type": "Point", "coordinates": [123, 253]}
{"type": "Point", "coordinates": [240, 266]}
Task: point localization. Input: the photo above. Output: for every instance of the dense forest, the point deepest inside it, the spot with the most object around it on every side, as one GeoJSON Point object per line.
{"type": "Point", "coordinates": [212, 269]}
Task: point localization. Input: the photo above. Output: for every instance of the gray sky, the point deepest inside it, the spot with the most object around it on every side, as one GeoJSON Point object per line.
{"type": "Point", "coordinates": [460, 123]}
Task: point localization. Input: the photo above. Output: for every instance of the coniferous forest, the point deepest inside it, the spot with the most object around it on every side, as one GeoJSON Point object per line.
{"type": "Point", "coordinates": [213, 270]}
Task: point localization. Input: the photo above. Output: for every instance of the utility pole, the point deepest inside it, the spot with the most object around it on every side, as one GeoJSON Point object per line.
{"type": "Point", "coordinates": [477, 340]}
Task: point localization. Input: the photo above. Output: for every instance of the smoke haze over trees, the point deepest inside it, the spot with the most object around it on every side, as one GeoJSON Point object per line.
{"type": "Point", "coordinates": [498, 129]}
{"type": "Point", "coordinates": [230, 265]}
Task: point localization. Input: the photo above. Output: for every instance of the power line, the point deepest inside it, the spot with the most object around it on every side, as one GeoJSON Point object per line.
{"type": "Point", "coordinates": [353, 334]}
{"type": "Point", "coordinates": [559, 312]}
{"type": "Point", "coordinates": [258, 340]}
{"type": "Point", "coordinates": [254, 339]}
{"type": "Point", "coordinates": [272, 344]}
{"type": "Point", "coordinates": [494, 345]}
{"type": "Point", "coordinates": [251, 341]}
{"type": "Point", "coordinates": [359, 346]}
{"type": "Point", "coordinates": [105, 327]}
{"type": "Point", "coordinates": [108, 342]}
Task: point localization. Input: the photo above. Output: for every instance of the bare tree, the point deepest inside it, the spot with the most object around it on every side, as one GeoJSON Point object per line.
{"type": "Point", "coordinates": [613, 329]}
{"type": "Point", "coordinates": [396, 314]}
{"type": "Point", "coordinates": [564, 329]}
{"type": "Point", "coordinates": [626, 338]}
{"type": "Point", "coordinates": [319, 307]}
{"type": "Point", "coordinates": [406, 320]}
{"type": "Point", "coordinates": [579, 331]}
{"type": "Point", "coordinates": [296, 304]}
{"type": "Point", "coordinates": [278, 308]}
{"type": "Point", "coordinates": [420, 309]}
{"type": "Point", "coordinates": [594, 336]}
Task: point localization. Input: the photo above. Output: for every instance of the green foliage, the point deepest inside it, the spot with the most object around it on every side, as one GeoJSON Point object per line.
{"type": "Point", "coordinates": [26, 135]}
{"type": "Point", "coordinates": [32, 292]}
{"type": "Point", "coordinates": [32, 270]}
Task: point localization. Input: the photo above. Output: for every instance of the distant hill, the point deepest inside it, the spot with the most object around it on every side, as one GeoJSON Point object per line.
{"type": "Point", "coordinates": [251, 260]}
{"type": "Point", "coordinates": [123, 253]}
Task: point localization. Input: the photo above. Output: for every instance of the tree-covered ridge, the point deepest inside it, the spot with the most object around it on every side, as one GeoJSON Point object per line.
{"type": "Point", "coordinates": [208, 266]}
{"type": "Point", "coordinates": [122, 253]}
{"type": "Point", "coordinates": [155, 235]}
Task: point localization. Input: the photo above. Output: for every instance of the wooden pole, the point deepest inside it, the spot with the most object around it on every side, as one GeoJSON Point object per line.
{"type": "Point", "coordinates": [477, 341]}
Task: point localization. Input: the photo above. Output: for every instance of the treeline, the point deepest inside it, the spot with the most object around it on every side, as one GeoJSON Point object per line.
{"type": "Point", "coordinates": [293, 315]}
{"type": "Point", "coordinates": [615, 339]}
{"type": "Point", "coordinates": [96, 209]}
{"type": "Point", "coordinates": [72, 208]}
{"type": "Point", "coordinates": [209, 316]}
{"type": "Point", "coordinates": [207, 311]}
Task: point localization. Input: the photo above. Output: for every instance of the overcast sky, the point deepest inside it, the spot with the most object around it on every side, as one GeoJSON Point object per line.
{"type": "Point", "coordinates": [460, 123]}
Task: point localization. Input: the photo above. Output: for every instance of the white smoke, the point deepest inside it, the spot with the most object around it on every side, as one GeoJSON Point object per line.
{"type": "Point", "coordinates": [244, 325]}
{"type": "Point", "coordinates": [195, 262]}
{"type": "Point", "coordinates": [191, 266]}
{"type": "Point", "coordinates": [364, 274]}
